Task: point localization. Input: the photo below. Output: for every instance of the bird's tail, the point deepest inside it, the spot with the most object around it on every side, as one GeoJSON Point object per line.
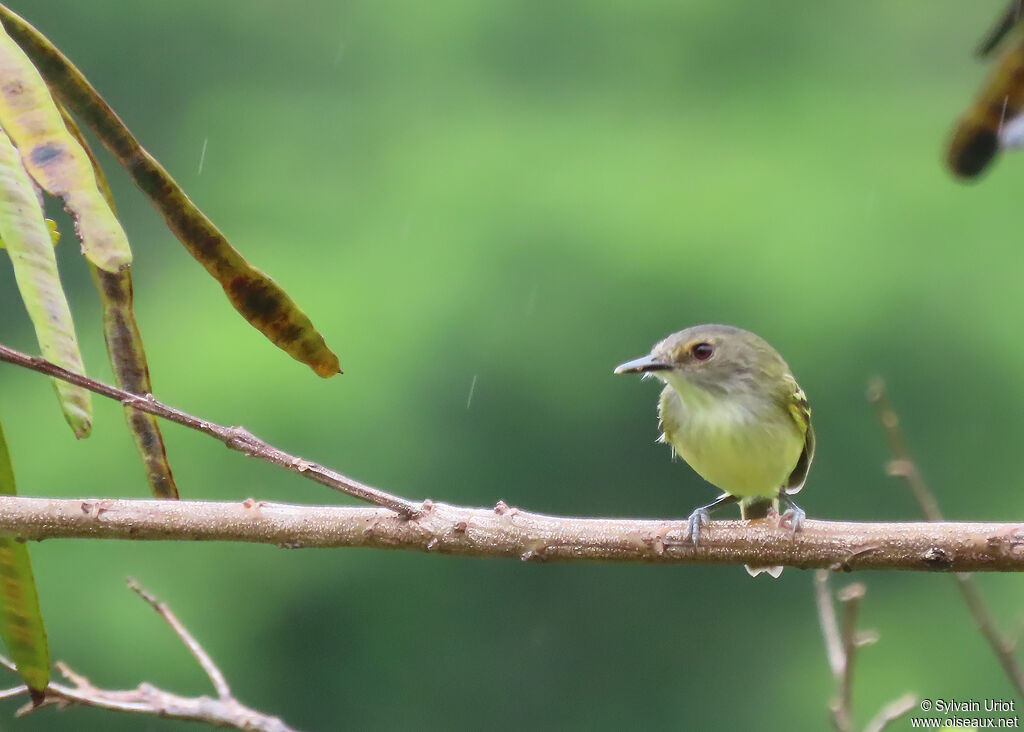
{"type": "Point", "coordinates": [757, 508]}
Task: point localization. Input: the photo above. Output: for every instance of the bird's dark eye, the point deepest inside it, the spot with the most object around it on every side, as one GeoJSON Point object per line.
{"type": "Point", "coordinates": [702, 351]}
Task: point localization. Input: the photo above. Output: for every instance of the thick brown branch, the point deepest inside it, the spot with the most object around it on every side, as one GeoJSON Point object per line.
{"type": "Point", "coordinates": [236, 438]}
{"type": "Point", "coordinates": [509, 532]}
{"type": "Point", "coordinates": [904, 466]}
{"type": "Point", "coordinates": [480, 532]}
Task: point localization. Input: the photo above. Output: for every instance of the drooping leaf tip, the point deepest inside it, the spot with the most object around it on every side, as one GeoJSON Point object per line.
{"type": "Point", "coordinates": [326, 367]}
{"type": "Point", "coordinates": [37, 696]}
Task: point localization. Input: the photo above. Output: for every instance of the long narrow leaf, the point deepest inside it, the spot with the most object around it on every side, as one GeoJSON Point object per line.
{"type": "Point", "coordinates": [124, 346]}
{"type": "Point", "coordinates": [254, 294]}
{"type": "Point", "coordinates": [128, 360]}
{"type": "Point", "coordinates": [54, 158]}
{"type": "Point", "coordinates": [54, 233]}
{"type": "Point", "coordinates": [21, 622]}
{"type": "Point", "coordinates": [27, 237]}
{"type": "Point", "coordinates": [995, 119]}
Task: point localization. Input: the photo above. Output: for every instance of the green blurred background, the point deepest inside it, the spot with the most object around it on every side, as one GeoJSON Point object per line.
{"type": "Point", "coordinates": [524, 194]}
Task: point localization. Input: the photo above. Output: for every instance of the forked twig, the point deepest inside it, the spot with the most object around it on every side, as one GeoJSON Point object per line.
{"type": "Point", "coordinates": [849, 599]}
{"type": "Point", "coordinates": [220, 684]}
{"type": "Point", "coordinates": [904, 466]}
{"type": "Point", "coordinates": [841, 643]}
{"type": "Point", "coordinates": [222, 711]}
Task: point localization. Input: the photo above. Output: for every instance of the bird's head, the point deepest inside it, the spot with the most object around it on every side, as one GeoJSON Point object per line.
{"type": "Point", "coordinates": [711, 359]}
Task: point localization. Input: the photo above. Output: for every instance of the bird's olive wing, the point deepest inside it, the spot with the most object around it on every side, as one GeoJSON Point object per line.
{"type": "Point", "coordinates": [801, 411]}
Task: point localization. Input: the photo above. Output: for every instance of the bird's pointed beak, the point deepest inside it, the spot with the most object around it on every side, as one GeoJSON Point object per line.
{"type": "Point", "coordinates": [642, 365]}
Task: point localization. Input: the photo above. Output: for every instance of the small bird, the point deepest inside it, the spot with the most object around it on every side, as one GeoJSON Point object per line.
{"type": "Point", "coordinates": [732, 408]}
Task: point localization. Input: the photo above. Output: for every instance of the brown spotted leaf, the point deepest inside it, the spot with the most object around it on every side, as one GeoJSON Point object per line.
{"type": "Point", "coordinates": [30, 247]}
{"type": "Point", "coordinates": [995, 119]}
{"type": "Point", "coordinates": [255, 295]}
{"type": "Point", "coordinates": [54, 158]}
{"type": "Point", "coordinates": [124, 346]}
{"type": "Point", "coordinates": [21, 622]}
{"type": "Point", "coordinates": [131, 371]}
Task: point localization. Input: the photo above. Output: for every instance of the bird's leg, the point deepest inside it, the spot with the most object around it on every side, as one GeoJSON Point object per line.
{"type": "Point", "coordinates": [794, 515]}
{"type": "Point", "coordinates": [702, 515]}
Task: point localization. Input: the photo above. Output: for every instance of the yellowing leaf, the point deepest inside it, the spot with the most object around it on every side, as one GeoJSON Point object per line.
{"type": "Point", "coordinates": [255, 295]}
{"type": "Point", "coordinates": [54, 158]}
{"type": "Point", "coordinates": [30, 248]}
{"type": "Point", "coordinates": [21, 622]}
{"type": "Point", "coordinates": [54, 233]}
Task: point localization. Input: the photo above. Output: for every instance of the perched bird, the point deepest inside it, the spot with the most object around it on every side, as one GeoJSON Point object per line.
{"type": "Point", "coordinates": [733, 410]}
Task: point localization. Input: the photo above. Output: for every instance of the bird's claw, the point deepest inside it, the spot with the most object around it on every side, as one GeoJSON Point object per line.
{"type": "Point", "coordinates": [792, 519]}
{"type": "Point", "coordinates": [698, 519]}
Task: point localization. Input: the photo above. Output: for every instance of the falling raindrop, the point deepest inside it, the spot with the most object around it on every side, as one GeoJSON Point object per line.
{"type": "Point", "coordinates": [531, 301]}
{"type": "Point", "coordinates": [202, 155]}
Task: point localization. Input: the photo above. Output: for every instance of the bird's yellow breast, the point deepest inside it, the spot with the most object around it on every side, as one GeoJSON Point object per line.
{"type": "Point", "coordinates": [744, 451]}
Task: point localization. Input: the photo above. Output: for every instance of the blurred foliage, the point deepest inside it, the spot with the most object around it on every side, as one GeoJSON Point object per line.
{"type": "Point", "coordinates": [21, 622]}
{"type": "Point", "coordinates": [528, 194]}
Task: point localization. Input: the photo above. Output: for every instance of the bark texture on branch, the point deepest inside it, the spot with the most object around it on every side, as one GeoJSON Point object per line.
{"type": "Point", "coordinates": [510, 532]}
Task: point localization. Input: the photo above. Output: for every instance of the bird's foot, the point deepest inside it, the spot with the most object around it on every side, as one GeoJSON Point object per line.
{"type": "Point", "coordinates": [698, 519]}
{"type": "Point", "coordinates": [792, 519]}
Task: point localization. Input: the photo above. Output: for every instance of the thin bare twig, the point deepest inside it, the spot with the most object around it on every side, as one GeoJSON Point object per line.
{"type": "Point", "coordinates": [13, 691]}
{"type": "Point", "coordinates": [891, 712]}
{"type": "Point", "coordinates": [829, 625]}
{"type": "Point", "coordinates": [837, 648]}
{"type": "Point", "coordinates": [236, 438]}
{"type": "Point", "coordinates": [509, 532]}
{"type": "Point", "coordinates": [224, 711]}
{"type": "Point", "coordinates": [842, 639]}
{"type": "Point", "coordinates": [220, 684]}
{"type": "Point", "coordinates": [849, 600]}
{"type": "Point", "coordinates": [904, 466]}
